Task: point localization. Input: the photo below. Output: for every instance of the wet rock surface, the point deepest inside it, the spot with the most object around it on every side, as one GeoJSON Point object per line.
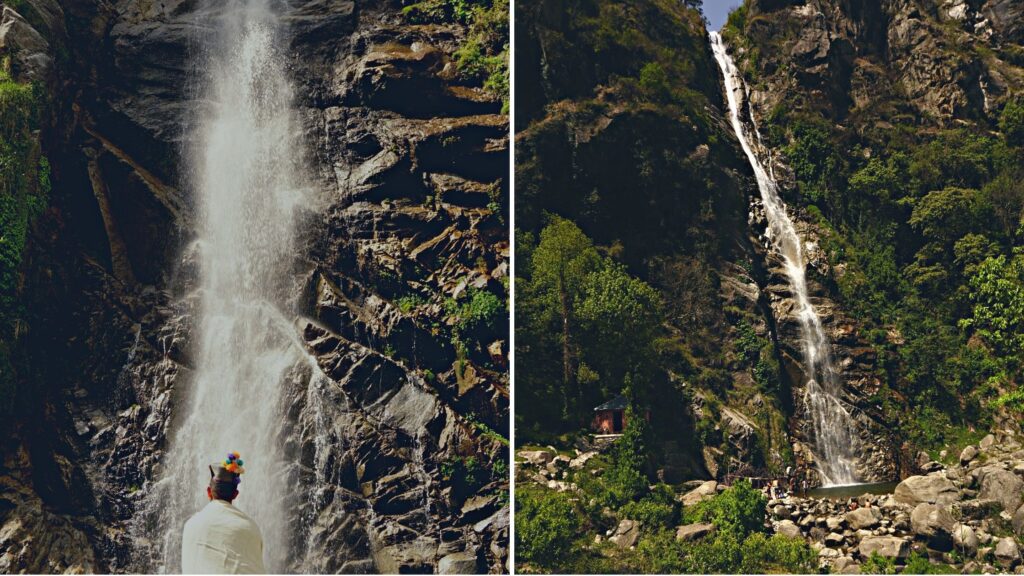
{"type": "Point", "coordinates": [396, 434]}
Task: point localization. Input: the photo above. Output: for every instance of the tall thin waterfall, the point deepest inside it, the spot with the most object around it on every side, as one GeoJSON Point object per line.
{"type": "Point", "coordinates": [833, 429]}
{"type": "Point", "coordinates": [246, 168]}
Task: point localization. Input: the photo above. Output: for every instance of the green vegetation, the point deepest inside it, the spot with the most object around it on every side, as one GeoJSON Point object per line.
{"type": "Point", "coordinates": [24, 195]}
{"type": "Point", "coordinates": [927, 226]}
{"type": "Point", "coordinates": [876, 564]}
{"type": "Point", "coordinates": [545, 527]}
{"type": "Point", "coordinates": [590, 325]}
{"type": "Point", "coordinates": [739, 543]}
{"type": "Point", "coordinates": [483, 56]}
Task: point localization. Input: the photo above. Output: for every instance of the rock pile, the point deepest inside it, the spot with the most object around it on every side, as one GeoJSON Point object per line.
{"type": "Point", "coordinates": [968, 515]}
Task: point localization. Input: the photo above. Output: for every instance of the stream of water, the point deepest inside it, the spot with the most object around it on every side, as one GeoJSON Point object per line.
{"type": "Point", "coordinates": [245, 166]}
{"type": "Point", "coordinates": [834, 435]}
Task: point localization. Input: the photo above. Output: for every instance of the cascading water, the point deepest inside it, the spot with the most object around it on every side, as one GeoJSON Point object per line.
{"type": "Point", "coordinates": [833, 429]}
{"type": "Point", "coordinates": [246, 165]}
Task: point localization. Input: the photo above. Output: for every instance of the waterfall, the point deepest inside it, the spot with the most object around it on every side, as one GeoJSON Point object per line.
{"type": "Point", "coordinates": [245, 162]}
{"type": "Point", "coordinates": [834, 435]}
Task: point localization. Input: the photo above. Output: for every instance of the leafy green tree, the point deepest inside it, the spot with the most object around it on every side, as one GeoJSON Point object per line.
{"type": "Point", "coordinates": [561, 262]}
{"type": "Point", "coordinates": [619, 316]}
{"type": "Point", "coordinates": [997, 294]}
{"type": "Point", "coordinates": [944, 216]}
{"type": "Point", "coordinates": [625, 480]}
{"type": "Point", "coordinates": [1011, 122]}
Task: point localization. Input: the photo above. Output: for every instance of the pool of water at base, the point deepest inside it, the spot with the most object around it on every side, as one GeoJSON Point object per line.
{"type": "Point", "coordinates": [852, 490]}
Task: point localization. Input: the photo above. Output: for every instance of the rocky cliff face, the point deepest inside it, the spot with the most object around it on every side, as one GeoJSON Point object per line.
{"type": "Point", "coordinates": [402, 430]}
{"type": "Point", "coordinates": [942, 60]}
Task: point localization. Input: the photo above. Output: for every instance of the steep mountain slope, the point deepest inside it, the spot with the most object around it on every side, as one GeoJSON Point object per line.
{"type": "Point", "coordinates": [894, 124]}
{"type": "Point", "coordinates": [404, 271]}
{"type": "Point", "coordinates": [634, 149]}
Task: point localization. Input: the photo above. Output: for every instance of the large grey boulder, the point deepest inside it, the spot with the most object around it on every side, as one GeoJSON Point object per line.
{"type": "Point", "coordinates": [968, 454]}
{"type": "Point", "coordinates": [694, 531]}
{"type": "Point", "coordinates": [705, 490]}
{"type": "Point", "coordinates": [789, 529]}
{"type": "Point", "coordinates": [987, 442]}
{"type": "Point", "coordinates": [965, 540]}
{"type": "Point", "coordinates": [1007, 552]}
{"type": "Point", "coordinates": [626, 534]}
{"type": "Point", "coordinates": [458, 563]}
{"type": "Point", "coordinates": [536, 457]}
{"type": "Point", "coordinates": [885, 546]}
{"type": "Point", "coordinates": [1004, 486]}
{"type": "Point", "coordinates": [1018, 522]}
{"type": "Point", "coordinates": [931, 489]}
{"type": "Point", "coordinates": [933, 523]}
{"type": "Point", "coordinates": [863, 518]}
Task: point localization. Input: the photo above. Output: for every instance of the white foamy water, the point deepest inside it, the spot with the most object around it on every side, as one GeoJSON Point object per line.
{"type": "Point", "coordinates": [246, 169]}
{"type": "Point", "coordinates": [833, 427]}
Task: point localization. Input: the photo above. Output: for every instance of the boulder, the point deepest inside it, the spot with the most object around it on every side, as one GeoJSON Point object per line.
{"type": "Point", "coordinates": [626, 534]}
{"type": "Point", "coordinates": [788, 528]}
{"type": "Point", "coordinates": [781, 512]}
{"type": "Point", "coordinates": [934, 523]}
{"type": "Point", "coordinates": [968, 454]}
{"type": "Point", "coordinates": [834, 522]}
{"type": "Point", "coordinates": [705, 490]}
{"type": "Point", "coordinates": [931, 489]}
{"type": "Point", "coordinates": [1007, 552]}
{"type": "Point", "coordinates": [1004, 486]}
{"type": "Point", "coordinates": [987, 442]}
{"type": "Point", "coordinates": [863, 518]}
{"type": "Point", "coordinates": [694, 531]}
{"type": "Point", "coordinates": [536, 457]}
{"type": "Point", "coordinates": [964, 539]}
{"type": "Point", "coordinates": [834, 540]}
{"type": "Point", "coordinates": [1018, 522]}
{"type": "Point", "coordinates": [459, 563]}
{"type": "Point", "coordinates": [581, 460]}
{"type": "Point", "coordinates": [885, 546]}
{"type": "Point", "coordinates": [980, 508]}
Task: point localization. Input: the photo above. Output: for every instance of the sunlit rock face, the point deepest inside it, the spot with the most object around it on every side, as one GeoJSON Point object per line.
{"type": "Point", "coordinates": [401, 197]}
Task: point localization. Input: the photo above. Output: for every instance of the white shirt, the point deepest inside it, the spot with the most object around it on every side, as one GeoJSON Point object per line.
{"type": "Point", "coordinates": [221, 539]}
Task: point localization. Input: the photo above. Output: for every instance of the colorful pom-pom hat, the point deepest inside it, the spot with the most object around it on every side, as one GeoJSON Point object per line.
{"type": "Point", "coordinates": [228, 470]}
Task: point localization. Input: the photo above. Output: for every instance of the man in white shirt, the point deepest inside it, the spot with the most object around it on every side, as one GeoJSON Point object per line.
{"type": "Point", "coordinates": [220, 538]}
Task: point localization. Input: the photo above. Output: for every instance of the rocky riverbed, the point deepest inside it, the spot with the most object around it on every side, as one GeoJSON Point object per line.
{"type": "Point", "coordinates": [967, 514]}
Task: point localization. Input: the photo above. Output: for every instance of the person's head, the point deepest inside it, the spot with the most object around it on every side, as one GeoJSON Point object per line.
{"type": "Point", "coordinates": [225, 477]}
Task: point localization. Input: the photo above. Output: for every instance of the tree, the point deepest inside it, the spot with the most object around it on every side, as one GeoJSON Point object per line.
{"type": "Point", "coordinates": [1011, 122]}
{"type": "Point", "coordinates": [944, 216]}
{"type": "Point", "coordinates": [619, 315]}
{"type": "Point", "coordinates": [997, 294]}
{"type": "Point", "coordinates": [561, 262]}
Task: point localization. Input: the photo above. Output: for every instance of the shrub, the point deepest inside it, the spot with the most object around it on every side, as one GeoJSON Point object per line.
{"type": "Point", "coordinates": [655, 510]}
{"type": "Point", "coordinates": [876, 564]}
{"type": "Point", "coordinates": [738, 510]}
{"type": "Point", "coordinates": [545, 526]}
{"type": "Point", "coordinates": [778, 553]}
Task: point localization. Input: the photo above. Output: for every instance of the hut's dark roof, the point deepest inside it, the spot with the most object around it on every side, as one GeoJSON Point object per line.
{"type": "Point", "coordinates": [617, 403]}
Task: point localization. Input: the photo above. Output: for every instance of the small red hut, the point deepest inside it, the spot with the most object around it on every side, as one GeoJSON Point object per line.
{"type": "Point", "coordinates": [610, 417]}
